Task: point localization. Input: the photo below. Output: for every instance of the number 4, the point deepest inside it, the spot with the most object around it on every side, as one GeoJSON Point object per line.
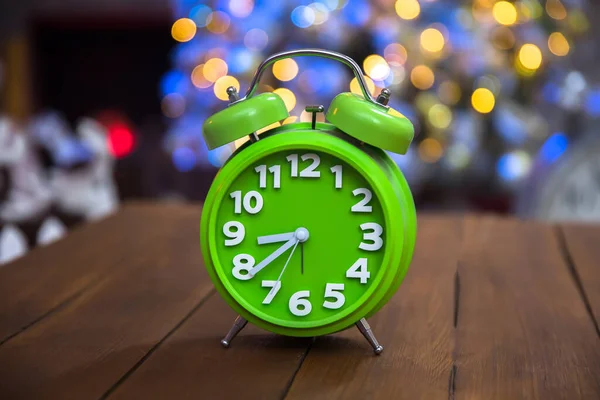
{"type": "Point", "coordinates": [359, 270]}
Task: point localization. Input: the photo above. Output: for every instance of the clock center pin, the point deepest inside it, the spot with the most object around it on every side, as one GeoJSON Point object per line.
{"type": "Point", "coordinates": [301, 234]}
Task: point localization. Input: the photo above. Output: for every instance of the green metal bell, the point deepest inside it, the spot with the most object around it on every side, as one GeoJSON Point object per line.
{"type": "Point", "coordinates": [243, 118]}
{"type": "Point", "coordinates": [371, 123]}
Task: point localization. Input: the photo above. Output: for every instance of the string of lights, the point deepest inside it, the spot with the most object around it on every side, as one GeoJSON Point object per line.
{"type": "Point", "coordinates": [477, 78]}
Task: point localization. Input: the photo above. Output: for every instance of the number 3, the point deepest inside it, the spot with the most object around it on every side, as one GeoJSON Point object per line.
{"type": "Point", "coordinates": [374, 236]}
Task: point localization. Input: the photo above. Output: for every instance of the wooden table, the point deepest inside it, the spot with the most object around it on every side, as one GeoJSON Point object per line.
{"type": "Point", "coordinates": [492, 308]}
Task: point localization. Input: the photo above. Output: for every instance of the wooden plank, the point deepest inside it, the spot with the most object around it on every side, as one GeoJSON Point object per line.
{"type": "Point", "coordinates": [191, 364]}
{"type": "Point", "coordinates": [415, 329]}
{"type": "Point", "coordinates": [523, 331]}
{"type": "Point", "coordinates": [83, 349]}
{"type": "Point", "coordinates": [49, 277]}
{"type": "Point", "coordinates": [583, 247]}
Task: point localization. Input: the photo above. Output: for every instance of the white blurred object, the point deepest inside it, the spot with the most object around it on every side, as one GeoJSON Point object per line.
{"type": "Point", "coordinates": [28, 195]}
{"type": "Point", "coordinates": [12, 244]}
{"type": "Point", "coordinates": [89, 191]}
{"type": "Point", "coordinates": [51, 231]}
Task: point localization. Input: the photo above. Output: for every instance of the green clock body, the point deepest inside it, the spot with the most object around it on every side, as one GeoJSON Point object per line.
{"type": "Point", "coordinates": [350, 198]}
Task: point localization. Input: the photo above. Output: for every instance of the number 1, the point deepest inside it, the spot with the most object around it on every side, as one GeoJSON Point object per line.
{"type": "Point", "coordinates": [337, 171]}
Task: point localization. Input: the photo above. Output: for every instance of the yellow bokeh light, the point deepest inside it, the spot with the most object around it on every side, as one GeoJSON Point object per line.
{"type": "Point", "coordinates": [408, 9]}
{"type": "Point", "coordinates": [285, 70]}
{"type": "Point", "coordinates": [432, 40]}
{"type": "Point", "coordinates": [530, 56]}
{"type": "Point", "coordinates": [214, 69]}
{"type": "Point", "coordinates": [558, 44]}
{"type": "Point", "coordinates": [307, 117]}
{"type": "Point", "coordinates": [355, 87]}
{"type": "Point", "coordinates": [483, 100]}
{"type": "Point", "coordinates": [289, 120]}
{"type": "Point", "coordinates": [376, 67]}
{"type": "Point", "coordinates": [505, 13]}
{"type": "Point", "coordinates": [440, 116]}
{"type": "Point", "coordinates": [198, 78]}
{"type": "Point", "coordinates": [183, 30]}
{"type": "Point", "coordinates": [395, 52]}
{"type": "Point", "coordinates": [449, 92]}
{"type": "Point", "coordinates": [556, 10]}
{"type": "Point", "coordinates": [218, 22]}
{"type": "Point", "coordinates": [422, 77]}
{"type": "Point", "coordinates": [222, 84]}
{"type": "Point", "coordinates": [430, 150]}
{"type": "Point", "coordinates": [287, 96]}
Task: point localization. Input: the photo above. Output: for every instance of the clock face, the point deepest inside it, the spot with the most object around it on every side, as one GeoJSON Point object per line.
{"type": "Point", "coordinates": [300, 239]}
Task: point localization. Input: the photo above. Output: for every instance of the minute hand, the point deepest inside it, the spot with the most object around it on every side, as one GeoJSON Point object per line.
{"type": "Point", "coordinates": [273, 256]}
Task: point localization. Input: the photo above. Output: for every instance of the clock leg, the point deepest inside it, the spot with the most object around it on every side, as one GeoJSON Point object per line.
{"type": "Point", "coordinates": [365, 329]}
{"type": "Point", "coordinates": [238, 325]}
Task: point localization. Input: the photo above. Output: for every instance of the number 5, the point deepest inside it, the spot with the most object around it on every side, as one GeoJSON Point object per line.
{"type": "Point", "coordinates": [331, 290]}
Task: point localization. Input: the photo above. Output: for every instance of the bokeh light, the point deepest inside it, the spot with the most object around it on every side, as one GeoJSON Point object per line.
{"type": "Point", "coordinates": [184, 159]}
{"type": "Point", "coordinates": [303, 16]}
{"type": "Point", "coordinates": [558, 44]}
{"type": "Point", "coordinates": [288, 97]}
{"type": "Point", "coordinates": [554, 147]}
{"type": "Point", "coordinates": [422, 77]}
{"type": "Point", "coordinates": [199, 15]}
{"type": "Point", "coordinates": [432, 40]}
{"type": "Point", "coordinates": [556, 9]}
{"type": "Point", "coordinates": [505, 13]}
{"type": "Point", "coordinates": [218, 22]}
{"type": "Point", "coordinates": [430, 150]}
{"type": "Point", "coordinates": [183, 30]}
{"type": "Point", "coordinates": [256, 39]}
{"type": "Point", "coordinates": [121, 140]}
{"type": "Point", "coordinates": [395, 52]}
{"type": "Point", "coordinates": [483, 100]}
{"type": "Point", "coordinates": [198, 78]}
{"type": "Point", "coordinates": [376, 67]}
{"type": "Point", "coordinates": [355, 87]}
{"type": "Point", "coordinates": [503, 38]}
{"type": "Point", "coordinates": [408, 9]}
{"type": "Point", "coordinates": [514, 166]}
{"type": "Point", "coordinates": [321, 13]}
{"type": "Point", "coordinates": [285, 70]}
{"type": "Point", "coordinates": [221, 85]}
{"type": "Point", "coordinates": [241, 8]}
{"type": "Point", "coordinates": [289, 120]}
{"type": "Point", "coordinates": [440, 116]}
{"type": "Point", "coordinates": [449, 92]}
{"type": "Point", "coordinates": [530, 56]}
{"type": "Point", "coordinates": [173, 105]}
{"type": "Point", "coordinates": [214, 69]}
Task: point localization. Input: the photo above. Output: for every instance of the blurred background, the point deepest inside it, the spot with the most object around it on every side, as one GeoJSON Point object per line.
{"type": "Point", "coordinates": [103, 101]}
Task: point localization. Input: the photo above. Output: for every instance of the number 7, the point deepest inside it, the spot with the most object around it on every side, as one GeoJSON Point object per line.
{"type": "Point", "coordinates": [275, 286]}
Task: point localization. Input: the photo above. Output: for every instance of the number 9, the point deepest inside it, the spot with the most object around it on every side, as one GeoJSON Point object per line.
{"type": "Point", "coordinates": [236, 236]}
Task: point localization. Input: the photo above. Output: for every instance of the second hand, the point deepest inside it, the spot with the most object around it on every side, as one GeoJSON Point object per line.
{"type": "Point", "coordinates": [302, 258]}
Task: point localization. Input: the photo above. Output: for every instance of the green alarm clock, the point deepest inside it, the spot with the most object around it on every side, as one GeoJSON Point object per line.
{"type": "Point", "coordinates": [309, 228]}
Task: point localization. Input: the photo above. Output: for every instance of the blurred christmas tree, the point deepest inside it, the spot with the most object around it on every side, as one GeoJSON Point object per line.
{"type": "Point", "coordinates": [481, 80]}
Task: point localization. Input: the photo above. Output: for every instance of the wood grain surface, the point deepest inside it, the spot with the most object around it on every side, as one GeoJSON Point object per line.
{"type": "Point", "coordinates": [492, 308]}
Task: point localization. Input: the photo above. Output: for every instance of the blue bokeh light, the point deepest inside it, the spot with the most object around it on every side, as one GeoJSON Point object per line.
{"type": "Point", "coordinates": [199, 15]}
{"type": "Point", "coordinates": [592, 103]}
{"type": "Point", "coordinates": [173, 82]}
{"type": "Point", "coordinates": [357, 12]}
{"type": "Point", "coordinates": [554, 147]}
{"type": "Point", "coordinates": [303, 16]}
{"type": "Point", "coordinates": [184, 159]}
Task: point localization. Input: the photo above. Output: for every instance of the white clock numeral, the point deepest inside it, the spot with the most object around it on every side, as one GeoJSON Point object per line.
{"type": "Point", "coordinates": [299, 304]}
{"type": "Point", "coordinates": [337, 171]}
{"type": "Point", "coordinates": [362, 206]}
{"type": "Point", "coordinates": [309, 172]}
{"type": "Point", "coordinates": [276, 171]}
{"type": "Point", "coordinates": [247, 202]}
{"type": "Point", "coordinates": [333, 290]}
{"type": "Point", "coordinates": [359, 270]}
{"type": "Point", "coordinates": [235, 236]}
{"type": "Point", "coordinates": [374, 236]}
{"type": "Point", "coordinates": [275, 286]}
{"type": "Point", "coordinates": [293, 160]}
{"type": "Point", "coordinates": [262, 176]}
{"type": "Point", "coordinates": [242, 262]}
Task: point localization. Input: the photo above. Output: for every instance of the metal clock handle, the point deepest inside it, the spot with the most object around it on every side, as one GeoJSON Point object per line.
{"type": "Point", "coordinates": [315, 53]}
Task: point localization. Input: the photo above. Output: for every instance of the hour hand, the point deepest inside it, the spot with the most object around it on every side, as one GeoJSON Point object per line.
{"type": "Point", "coordinates": [280, 237]}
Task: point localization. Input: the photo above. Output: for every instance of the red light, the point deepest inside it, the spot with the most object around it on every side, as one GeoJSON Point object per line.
{"type": "Point", "coordinates": [120, 140]}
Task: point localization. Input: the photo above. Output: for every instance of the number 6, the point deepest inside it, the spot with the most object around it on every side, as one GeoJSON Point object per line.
{"type": "Point", "coordinates": [299, 299]}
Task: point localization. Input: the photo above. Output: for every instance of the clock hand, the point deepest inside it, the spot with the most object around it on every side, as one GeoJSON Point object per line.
{"type": "Point", "coordinates": [281, 237]}
{"type": "Point", "coordinates": [273, 256]}
{"type": "Point", "coordinates": [285, 265]}
{"type": "Point", "coordinates": [302, 258]}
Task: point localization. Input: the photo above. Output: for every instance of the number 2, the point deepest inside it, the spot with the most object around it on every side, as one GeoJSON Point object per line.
{"type": "Point", "coordinates": [362, 206]}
